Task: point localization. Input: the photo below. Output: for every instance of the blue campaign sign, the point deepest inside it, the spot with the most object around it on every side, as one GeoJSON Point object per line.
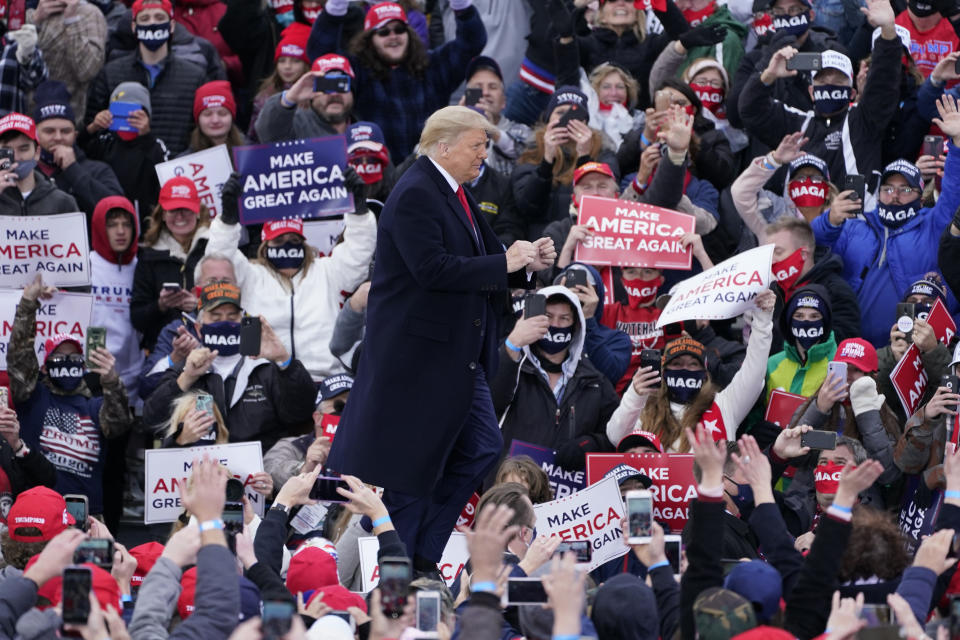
{"type": "Point", "coordinates": [563, 483]}
{"type": "Point", "coordinates": [293, 179]}
{"type": "Point", "coordinates": [918, 510]}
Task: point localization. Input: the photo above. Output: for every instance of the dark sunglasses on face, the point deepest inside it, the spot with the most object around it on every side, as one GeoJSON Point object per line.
{"type": "Point", "coordinates": [73, 358]}
{"type": "Point", "coordinates": [396, 30]}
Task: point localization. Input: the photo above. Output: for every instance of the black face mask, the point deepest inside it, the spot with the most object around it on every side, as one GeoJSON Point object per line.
{"type": "Point", "coordinates": [153, 36]}
{"type": "Point", "coordinates": [807, 333]}
{"type": "Point", "coordinates": [289, 255]}
{"type": "Point", "coordinates": [921, 9]}
{"type": "Point", "coordinates": [683, 385]}
{"type": "Point", "coordinates": [894, 216]}
{"type": "Point", "coordinates": [65, 372]}
{"type": "Point", "coordinates": [794, 25]}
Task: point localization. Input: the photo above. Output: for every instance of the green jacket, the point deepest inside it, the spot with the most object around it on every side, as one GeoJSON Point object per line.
{"type": "Point", "coordinates": [729, 51]}
{"type": "Point", "coordinates": [784, 370]}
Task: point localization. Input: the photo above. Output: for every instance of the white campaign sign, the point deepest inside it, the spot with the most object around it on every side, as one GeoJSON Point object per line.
{"type": "Point", "coordinates": [63, 313]}
{"type": "Point", "coordinates": [169, 469]}
{"type": "Point", "coordinates": [208, 169]}
{"type": "Point", "coordinates": [322, 234]}
{"type": "Point", "coordinates": [725, 291]}
{"type": "Point", "coordinates": [593, 514]}
{"type": "Point", "coordinates": [454, 557]}
{"type": "Point", "coordinates": [54, 246]}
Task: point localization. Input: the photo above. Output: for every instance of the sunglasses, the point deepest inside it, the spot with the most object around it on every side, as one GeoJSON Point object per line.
{"type": "Point", "coordinates": [73, 358]}
{"type": "Point", "coordinates": [396, 30]}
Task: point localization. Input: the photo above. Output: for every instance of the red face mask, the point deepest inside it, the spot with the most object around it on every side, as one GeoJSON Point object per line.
{"type": "Point", "coordinates": [711, 97]}
{"type": "Point", "coordinates": [696, 17]}
{"type": "Point", "coordinates": [371, 172]}
{"type": "Point", "coordinates": [787, 271]}
{"type": "Point", "coordinates": [806, 193]}
{"type": "Point", "coordinates": [826, 477]}
{"type": "Point", "coordinates": [641, 292]}
{"type": "Point", "coordinates": [127, 135]}
{"type": "Point", "coordinates": [763, 24]}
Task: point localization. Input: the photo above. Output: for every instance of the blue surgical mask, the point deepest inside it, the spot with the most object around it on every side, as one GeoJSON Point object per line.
{"type": "Point", "coordinates": [284, 19]}
{"type": "Point", "coordinates": [66, 373]}
{"type": "Point", "coordinates": [289, 255]}
{"type": "Point", "coordinates": [153, 36]}
{"type": "Point", "coordinates": [894, 216]}
{"type": "Point", "coordinates": [222, 336]}
{"type": "Point", "coordinates": [830, 98]}
{"type": "Point", "coordinates": [556, 340]}
{"type": "Point", "coordinates": [25, 168]}
{"type": "Point", "coordinates": [807, 333]}
{"type": "Point", "coordinates": [683, 385]}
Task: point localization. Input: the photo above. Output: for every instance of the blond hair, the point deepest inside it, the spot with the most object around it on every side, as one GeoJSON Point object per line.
{"type": "Point", "coordinates": [606, 68]}
{"type": "Point", "coordinates": [446, 125]}
{"type": "Point", "coordinates": [183, 404]}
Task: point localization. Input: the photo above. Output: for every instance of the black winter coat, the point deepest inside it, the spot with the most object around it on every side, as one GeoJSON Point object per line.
{"type": "Point", "coordinates": [133, 163]}
{"type": "Point", "coordinates": [32, 470]}
{"type": "Point", "coordinates": [88, 181]}
{"type": "Point", "coordinates": [45, 198]}
{"type": "Point", "coordinates": [171, 95]}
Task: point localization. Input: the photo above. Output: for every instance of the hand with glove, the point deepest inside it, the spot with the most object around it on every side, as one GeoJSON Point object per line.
{"type": "Point", "coordinates": [355, 185]}
{"type": "Point", "coordinates": [229, 199]}
{"type": "Point", "coordinates": [561, 20]}
{"type": "Point", "coordinates": [26, 39]}
{"type": "Point", "coordinates": [864, 396]}
{"type": "Point", "coordinates": [460, 5]}
{"type": "Point", "coordinates": [704, 35]}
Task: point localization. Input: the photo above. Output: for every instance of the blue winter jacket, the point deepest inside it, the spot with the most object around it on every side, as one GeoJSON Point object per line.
{"type": "Point", "coordinates": [881, 263]}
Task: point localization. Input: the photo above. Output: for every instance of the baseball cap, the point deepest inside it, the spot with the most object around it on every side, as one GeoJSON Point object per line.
{"type": "Point", "coordinates": [218, 293]}
{"type": "Point", "coordinates": [55, 341]}
{"type": "Point", "coordinates": [902, 32]}
{"type": "Point", "coordinates": [639, 438]}
{"type": "Point", "coordinates": [831, 59]}
{"type": "Point", "coordinates": [367, 137]}
{"type": "Point", "coordinates": [179, 193]}
{"type": "Point", "coordinates": [276, 228]}
{"type": "Point", "coordinates": [624, 472]}
{"type": "Point", "coordinates": [758, 582]}
{"type": "Point", "coordinates": [140, 5]}
{"type": "Point", "coordinates": [40, 508]}
{"type": "Point", "coordinates": [18, 122]}
{"type": "Point", "coordinates": [905, 168]}
{"type": "Point", "coordinates": [719, 614]}
{"type": "Point", "coordinates": [808, 160]}
{"type": "Point", "coordinates": [859, 353]}
{"type": "Point", "coordinates": [684, 345]}
{"type": "Point", "coordinates": [103, 585]}
{"type": "Point", "coordinates": [381, 13]}
{"type": "Point", "coordinates": [480, 63]}
{"type": "Point", "coordinates": [338, 598]}
{"type": "Point", "coordinates": [592, 167]}
{"type": "Point", "coordinates": [146, 556]}
{"type": "Point", "coordinates": [332, 386]}
{"type": "Point", "coordinates": [311, 568]}
{"type": "Point", "coordinates": [332, 62]}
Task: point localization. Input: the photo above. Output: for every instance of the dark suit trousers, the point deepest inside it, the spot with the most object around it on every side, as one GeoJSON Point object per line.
{"type": "Point", "coordinates": [424, 523]}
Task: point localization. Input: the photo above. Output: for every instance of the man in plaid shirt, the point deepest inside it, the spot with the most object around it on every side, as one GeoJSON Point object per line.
{"type": "Point", "coordinates": [22, 68]}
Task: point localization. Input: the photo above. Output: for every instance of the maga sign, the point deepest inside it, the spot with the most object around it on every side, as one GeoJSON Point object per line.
{"type": "Point", "coordinates": [672, 475]}
{"type": "Point", "coordinates": [633, 234]}
{"type": "Point", "coordinates": [63, 313]}
{"type": "Point", "coordinates": [54, 246]}
{"type": "Point", "coordinates": [169, 469]}
{"type": "Point", "coordinates": [725, 291]}
{"type": "Point", "coordinates": [208, 169]}
{"type": "Point", "coordinates": [452, 561]}
{"type": "Point", "coordinates": [295, 179]}
{"type": "Point", "coordinates": [909, 379]}
{"type": "Point", "coordinates": [562, 482]}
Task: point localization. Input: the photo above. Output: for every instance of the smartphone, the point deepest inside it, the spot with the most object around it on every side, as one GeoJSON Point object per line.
{"type": "Point", "coordinates": [819, 439]}
{"type": "Point", "coordinates": [804, 62]}
{"type": "Point", "coordinates": [535, 305]}
{"type": "Point", "coordinates": [276, 619]}
{"type": "Point", "coordinates": [885, 632]}
{"type": "Point", "coordinates": [650, 358]}
{"type": "Point", "coordinates": [428, 612]}
{"type": "Point", "coordinates": [172, 286]}
{"type": "Point", "coordinates": [6, 158]}
{"type": "Point", "coordinates": [234, 490]}
{"type": "Point", "coordinates": [728, 564]}
{"type": "Point", "coordinates": [932, 146]}
{"type": "Point", "coordinates": [233, 517]}
{"type": "Point", "coordinates": [580, 547]}
{"type": "Point", "coordinates": [250, 336]}
{"type": "Point", "coordinates": [856, 183]}
{"type": "Point", "coordinates": [5, 397]}
{"type": "Point", "coordinates": [838, 370]}
{"type": "Point", "coordinates": [76, 595]}
{"type": "Point", "coordinates": [906, 312]}
{"type": "Point", "coordinates": [98, 551]}
{"type": "Point", "coordinates": [332, 83]}
{"type": "Point", "coordinates": [395, 575]}
{"type": "Point", "coordinates": [639, 516]}
{"type": "Point", "coordinates": [121, 113]}
{"type": "Point", "coordinates": [661, 100]}
{"type": "Point", "coordinates": [96, 338]}
{"type": "Point", "coordinates": [472, 96]}
{"type": "Point", "coordinates": [876, 615]}
{"type": "Point", "coordinates": [325, 489]}
{"type": "Point", "coordinates": [574, 113]}
{"type": "Point", "coordinates": [574, 278]}
{"type": "Point", "coordinates": [525, 591]}
{"type": "Point", "coordinates": [79, 508]}
{"type": "Point", "coordinates": [204, 403]}
{"type": "Point", "coordinates": [953, 383]}
{"type": "Point", "coordinates": [672, 547]}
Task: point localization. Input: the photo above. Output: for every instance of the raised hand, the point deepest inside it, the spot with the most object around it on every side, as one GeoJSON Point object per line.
{"type": "Point", "coordinates": [789, 148]}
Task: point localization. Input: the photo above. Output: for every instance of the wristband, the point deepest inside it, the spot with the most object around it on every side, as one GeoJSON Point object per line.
{"type": "Point", "coordinates": [643, 140]}
{"type": "Point", "coordinates": [170, 364]}
{"type": "Point", "coordinates": [767, 165]}
{"type": "Point", "coordinates": [286, 363]}
{"type": "Point", "coordinates": [570, 637]}
{"type": "Point", "coordinates": [380, 521]}
{"type": "Point", "coordinates": [511, 346]}
{"type": "Point", "coordinates": [951, 495]}
{"type": "Point", "coordinates": [286, 104]}
{"type": "Point", "coordinates": [210, 525]}
{"type": "Point", "coordinates": [657, 565]}
{"type": "Point", "coordinates": [483, 587]}
{"type": "Point", "coordinates": [842, 509]}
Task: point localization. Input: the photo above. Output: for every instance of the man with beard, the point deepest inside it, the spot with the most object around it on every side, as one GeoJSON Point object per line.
{"type": "Point", "coordinates": [330, 108]}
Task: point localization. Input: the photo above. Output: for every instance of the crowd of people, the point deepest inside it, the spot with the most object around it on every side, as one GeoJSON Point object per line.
{"type": "Point", "coordinates": [829, 129]}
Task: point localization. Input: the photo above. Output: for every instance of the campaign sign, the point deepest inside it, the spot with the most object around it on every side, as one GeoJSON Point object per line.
{"type": "Point", "coordinates": [725, 291]}
{"type": "Point", "coordinates": [592, 514]}
{"type": "Point", "coordinates": [452, 561]}
{"type": "Point", "coordinates": [209, 169]}
{"type": "Point", "coordinates": [167, 470]}
{"type": "Point", "coordinates": [469, 513]}
{"type": "Point", "coordinates": [294, 179]}
{"type": "Point", "coordinates": [942, 323]}
{"type": "Point", "coordinates": [562, 482]}
{"type": "Point", "coordinates": [54, 246]}
{"type": "Point", "coordinates": [918, 517]}
{"type": "Point", "coordinates": [63, 313]}
{"type": "Point", "coordinates": [782, 406]}
{"type": "Point", "coordinates": [909, 379]}
{"type": "Point", "coordinates": [672, 475]}
{"type": "Point", "coordinates": [322, 235]}
{"type": "Point", "coordinates": [329, 424]}
{"type": "Point", "coordinates": [633, 234]}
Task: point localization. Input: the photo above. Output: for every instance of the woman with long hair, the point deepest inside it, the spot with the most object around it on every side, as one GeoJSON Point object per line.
{"type": "Point", "coordinates": [215, 112]}
{"type": "Point", "coordinates": [290, 62]}
{"type": "Point", "coordinates": [189, 426]}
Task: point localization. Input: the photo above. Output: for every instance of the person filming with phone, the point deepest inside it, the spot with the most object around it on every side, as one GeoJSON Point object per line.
{"type": "Point", "coordinates": [263, 392]}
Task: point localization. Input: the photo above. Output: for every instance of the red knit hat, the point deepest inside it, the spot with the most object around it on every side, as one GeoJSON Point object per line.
{"type": "Point", "coordinates": [293, 43]}
{"type": "Point", "coordinates": [140, 5]}
{"type": "Point", "coordinates": [214, 94]}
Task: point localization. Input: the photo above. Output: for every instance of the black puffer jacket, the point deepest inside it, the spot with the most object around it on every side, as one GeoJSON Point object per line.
{"type": "Point", "coordinates": [44, 199]}
{"type": "Point", "coordinates": [88, 181]}
{"type": "Point", "coordinates": [171, 95]}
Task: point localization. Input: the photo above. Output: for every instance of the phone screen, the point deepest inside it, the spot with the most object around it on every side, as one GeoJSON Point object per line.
{"type": "Point", "coordinates": [428, 610]}
{"type": "Point", "coordinates": [325, 489]}
{"type": "Point", "coordinates": [525, 591]}
{"type": "Point", "coordinates": [580, 547]}
{"type": "Point", "coordinates": [98, 551]}
{"type": "Point", "coordinates": [76, 595]}
{"type": "Point", "coordinates": [77, 507]}
{"type": "Point", "coordinates": [672, 549]}
{"type": "Point", "coordinates": [276, 620]}
{"type": "Point", "coordinates": [394, 585]}
{"type": "Point", "coordinates": [819, 439]}
{"type": "Point", "coordinates": [640, 515]}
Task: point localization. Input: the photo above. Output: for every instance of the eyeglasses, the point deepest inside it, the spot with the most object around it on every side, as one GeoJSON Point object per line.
{"type": "Point", "coordinates": [889, 190]}
{"type": "Point", "coordinates": [396, 30]}
{"type": "Point", "coordinates": [714, 83]}
{"type": "Point", "coordinates": [792, 11]}
{"type": "Point", "coordinates": [814, 179]}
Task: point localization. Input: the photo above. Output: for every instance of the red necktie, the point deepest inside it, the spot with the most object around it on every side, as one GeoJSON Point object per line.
{"type": "Point", "coordinates": [466, 206]}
